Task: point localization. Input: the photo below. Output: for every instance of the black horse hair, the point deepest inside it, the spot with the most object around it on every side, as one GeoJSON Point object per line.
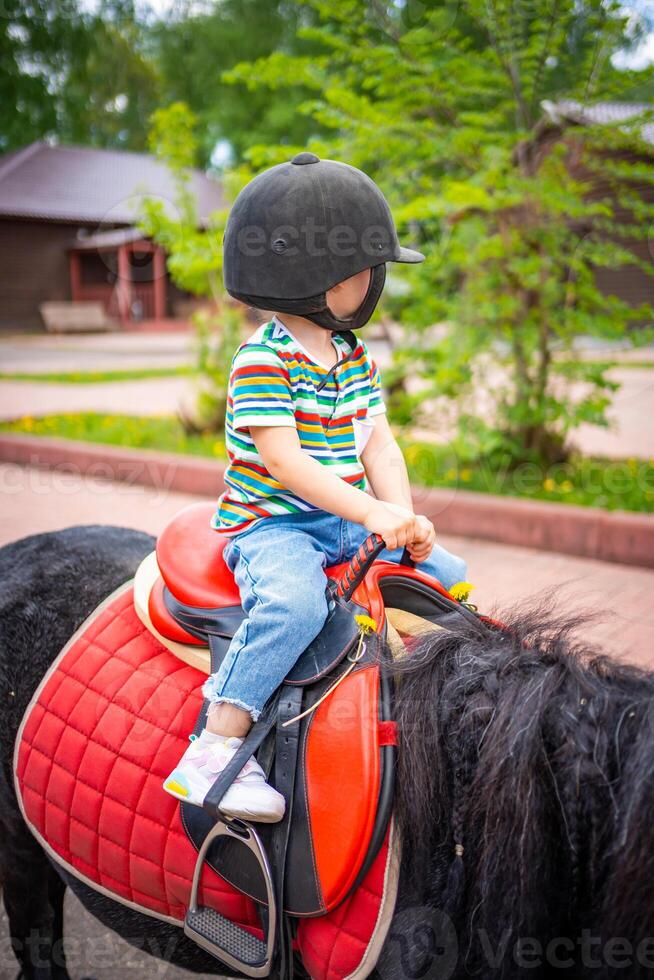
{"type": "Point", "coordinates": [525, 782]}
{"type": "Point", "coordinates": [524, 785]}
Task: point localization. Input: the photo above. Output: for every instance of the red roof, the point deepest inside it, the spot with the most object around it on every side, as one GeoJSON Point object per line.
{"type": "Point", "coordinates": [74, 183]}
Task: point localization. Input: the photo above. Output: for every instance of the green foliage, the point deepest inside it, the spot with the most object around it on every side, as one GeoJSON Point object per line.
{"type": "Point", "coordinates": [194, 252]}
{"type": "Point", "coordinates": [194, 54]}
{"type": "Point", "coordinates": [442, 102]}
{"type": "Point", "coordinates": [162, 432]}
{"type": "Point", "coordinates": [91, 73]}
{"type": "Point", "coordinates": [195, 263]}
{"type": "Point", "coordinates": [217, 337]}
{"type": "Point", "coordinates": [610, 484]}
{"type": "Point", "coordinates": [81, 76]}
{"type": "Point", "coordinates": [613, 484]}
{"type": "Point", "coordinates": [94, 377]}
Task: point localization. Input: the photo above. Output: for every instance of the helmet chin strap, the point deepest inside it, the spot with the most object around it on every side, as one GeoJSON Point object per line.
{"type": "Point", "coordinates": [325, 317]}
{"type": "Point", "coordinates": [315, 308]}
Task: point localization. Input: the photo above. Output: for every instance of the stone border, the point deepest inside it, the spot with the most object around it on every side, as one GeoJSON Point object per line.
{"type": "Point", "coordinates": [589, 532]}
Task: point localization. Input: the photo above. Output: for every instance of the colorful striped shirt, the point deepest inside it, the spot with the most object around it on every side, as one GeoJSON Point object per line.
{"type": "Point", "coordinates": [275, 381]}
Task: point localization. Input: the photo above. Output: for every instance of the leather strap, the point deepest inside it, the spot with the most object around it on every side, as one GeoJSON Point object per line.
{"type": "Point", "coordinates": [248, 747]}
{"type": "Point", "coordinates": [286, 756]}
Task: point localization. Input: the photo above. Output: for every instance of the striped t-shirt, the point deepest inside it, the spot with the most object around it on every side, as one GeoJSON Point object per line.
{"type": "Point", "coordinates": [274, 381]}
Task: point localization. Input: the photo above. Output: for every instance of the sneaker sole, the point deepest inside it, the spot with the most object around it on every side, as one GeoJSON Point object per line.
{"type": "Point", "coordinates": [243, 813]}
{"type": "Point", "coordinates": [179, 795]}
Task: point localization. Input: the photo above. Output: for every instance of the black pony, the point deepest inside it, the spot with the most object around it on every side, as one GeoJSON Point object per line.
{"type": "Point", "coordinates": [525, 789]}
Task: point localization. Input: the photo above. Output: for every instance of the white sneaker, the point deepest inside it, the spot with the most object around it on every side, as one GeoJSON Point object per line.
{"type": "Point", "coordinates": [249, 797]}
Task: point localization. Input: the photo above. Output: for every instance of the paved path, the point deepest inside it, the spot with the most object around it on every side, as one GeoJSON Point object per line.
{"type": "Point", "coordinates": [631, 432]}
{"type": "Point", "coordinates": [97, 952]}
{"type": "Point", "coordinates": [36, 500]}
{"type": "Point", "coordinates": [631, 416]}
{"type": "Point", "coordinates": [39, 353]}
{"type": "Point", "coordinates": [148, 396]}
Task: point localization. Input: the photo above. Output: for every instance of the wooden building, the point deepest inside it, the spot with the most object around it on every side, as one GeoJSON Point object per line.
{"type": "Point", "coordinates": [67, 232]}
{"type": "Point", "coordinates": [629, 282]}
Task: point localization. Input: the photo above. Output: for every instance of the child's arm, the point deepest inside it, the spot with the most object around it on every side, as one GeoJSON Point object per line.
{"type": "Point", "coordinates": [387, 474]}
{"type": "Point", "coordinates": [385, 467]}
{"type": "Point", "coordinates": [286, 461]}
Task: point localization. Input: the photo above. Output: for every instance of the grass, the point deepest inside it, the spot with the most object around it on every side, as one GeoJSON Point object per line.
{"type": "Point", "coordinates": [162, 432]}
{"type": "Point", "coordinates": [612, 365]}
{"type": "Point", "coordinates": [591, 482]}
{"type": "Point", "coordinates": [613, 484]}
{"type": "Point", "coordinates": [94, 377]}
{"type": "Point", "coordinates": [138, 374]}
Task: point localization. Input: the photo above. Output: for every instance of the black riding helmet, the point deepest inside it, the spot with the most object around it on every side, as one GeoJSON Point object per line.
{"type": "Point", "coordinates": [300, 228]}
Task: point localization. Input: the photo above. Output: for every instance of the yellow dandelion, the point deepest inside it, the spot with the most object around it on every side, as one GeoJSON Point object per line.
{"type": "Point", "coordinates": [466, 475]}
{"type": "Point", "coordinates": [566, 486]}
{"type": "Point", "coordinates": [366, 623]}
{"type": "Point", "coordinates": [461, 591]}
{"type": "Point", "coordinates": [549, 484]}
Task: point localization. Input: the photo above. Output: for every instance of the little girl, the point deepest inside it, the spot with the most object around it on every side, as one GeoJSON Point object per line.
{"type": "Point", "coordinates": [306, 436]}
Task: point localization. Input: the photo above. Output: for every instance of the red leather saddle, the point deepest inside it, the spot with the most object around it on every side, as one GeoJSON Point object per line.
{"type": "Point", "coordinates": [196, 600]}
{"type": "Point", "coordinates": [334, 765]}
{"type": "Point", "coordinates": [106, 725]}
{"type": "Point", "coordinates": [97, 743]}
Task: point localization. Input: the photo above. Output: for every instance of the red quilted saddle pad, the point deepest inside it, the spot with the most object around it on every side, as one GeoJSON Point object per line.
{"type": "Point", "coordinates": [107, 724]}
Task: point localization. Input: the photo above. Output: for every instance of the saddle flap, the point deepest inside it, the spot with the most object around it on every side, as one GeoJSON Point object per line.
{"type": "Point", "coordinates": [328, 648]}
{"type": "Point", "coordinates": [341, 802]}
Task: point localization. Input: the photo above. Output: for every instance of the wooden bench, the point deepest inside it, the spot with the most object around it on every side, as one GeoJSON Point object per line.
{"type": "Point", "coordinates": [69, 317]}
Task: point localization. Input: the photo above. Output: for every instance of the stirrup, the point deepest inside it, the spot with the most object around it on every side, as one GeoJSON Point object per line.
{"type": "Point", "coordinates": [228, 942]}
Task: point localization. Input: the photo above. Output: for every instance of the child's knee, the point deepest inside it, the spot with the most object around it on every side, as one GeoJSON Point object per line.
{"type": "Point", "coordinates": [302, 609]}
{"type": "Point", "coordinates": [312, 610]}
{"type": "Point", "coordinates": [457, 571]}
{"type": "Point", "coordinates": [446, 567]}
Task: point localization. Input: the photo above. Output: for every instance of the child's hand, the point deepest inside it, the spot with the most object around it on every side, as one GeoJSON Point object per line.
{"type": "Point", "coordinates": [421, 546]}
{"type": "Point", "coordinates": [397, 525]}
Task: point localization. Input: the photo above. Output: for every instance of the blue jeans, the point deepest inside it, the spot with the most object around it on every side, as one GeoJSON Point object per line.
{"type": "Point", "coordinates": [279, 565]}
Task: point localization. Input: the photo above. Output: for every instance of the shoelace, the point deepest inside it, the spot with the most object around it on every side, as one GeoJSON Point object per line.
{"type": "Point", "coordinates": [216, 753]}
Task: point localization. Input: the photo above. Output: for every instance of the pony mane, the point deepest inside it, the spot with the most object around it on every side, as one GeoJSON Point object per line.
{"type": "Point", "coordinates": [525, 781]}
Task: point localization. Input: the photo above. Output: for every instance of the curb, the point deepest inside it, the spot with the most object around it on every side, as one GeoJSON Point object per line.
{"type": "Point", "coordinates": [146, 467]}
{"type": "Point", "coordinates": [587, 532]}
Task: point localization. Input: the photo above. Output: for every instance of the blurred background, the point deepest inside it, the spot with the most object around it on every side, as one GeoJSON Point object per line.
{"type": "Point", "coordinates": [515, 145]}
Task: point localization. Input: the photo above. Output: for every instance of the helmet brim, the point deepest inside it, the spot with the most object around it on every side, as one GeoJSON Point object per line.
{"type": "Point", "coordinates": [409, 255]}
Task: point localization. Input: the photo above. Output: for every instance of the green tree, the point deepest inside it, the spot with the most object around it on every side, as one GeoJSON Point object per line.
{"type": "Point", "coordinates": [78, 75]}
{"type": "Point", "coordinates": [441, 102]}
{"type": "Point", "coordinates": [111, 86]}
{"type": "Point", "coordinates": [195, 262]}
{"type": "Point", "coordinates": [193, 51]}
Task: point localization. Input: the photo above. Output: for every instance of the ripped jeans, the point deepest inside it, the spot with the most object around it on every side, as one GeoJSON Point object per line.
{"type": "Point", "coordinates": [279, 565]}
